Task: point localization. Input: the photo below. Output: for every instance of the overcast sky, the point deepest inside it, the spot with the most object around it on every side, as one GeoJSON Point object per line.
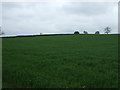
{"type": "Point", "coordinates": [58, 17]}
{"type": "Point", "coordinates": [0, 14]}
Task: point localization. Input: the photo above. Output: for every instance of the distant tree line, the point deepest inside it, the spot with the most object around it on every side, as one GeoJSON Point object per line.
{"type": "Point", "coordinates": [106, 30]}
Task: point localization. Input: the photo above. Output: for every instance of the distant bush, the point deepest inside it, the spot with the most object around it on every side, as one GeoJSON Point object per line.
{"type": "Point", "coordinates": [76, 32]}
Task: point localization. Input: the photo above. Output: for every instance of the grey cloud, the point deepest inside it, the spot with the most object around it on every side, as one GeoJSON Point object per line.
{"type": "Point", "coordinates": [0, 14]}
{"type": "Point", "coordinates": [89, 9]}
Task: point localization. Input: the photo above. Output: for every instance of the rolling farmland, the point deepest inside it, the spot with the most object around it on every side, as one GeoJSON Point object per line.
{"type": "Point", "coordinates": [61, 61]}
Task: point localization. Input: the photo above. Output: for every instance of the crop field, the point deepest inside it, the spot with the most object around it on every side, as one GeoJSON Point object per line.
{"type": "Point", "coordinates": [61, 61]}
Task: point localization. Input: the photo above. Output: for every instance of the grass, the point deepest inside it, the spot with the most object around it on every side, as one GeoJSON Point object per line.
{"type": "Point", "coordinates": [61, 61]}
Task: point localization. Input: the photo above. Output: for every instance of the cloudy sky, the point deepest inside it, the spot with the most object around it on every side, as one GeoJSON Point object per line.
{"type": "Point", "coordinates": [0, 14]}
{"type": "Point", "coordinates": [58, 17]}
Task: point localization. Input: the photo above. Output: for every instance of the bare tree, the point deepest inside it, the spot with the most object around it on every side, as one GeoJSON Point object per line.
{"type": "Point", "coordinates": [107, 30]}
{"type": "Point", "coordinates": [1, 32]}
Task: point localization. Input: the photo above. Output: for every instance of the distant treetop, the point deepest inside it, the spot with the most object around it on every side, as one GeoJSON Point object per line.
{"type": "Point", "coordinates": [76, 32]}
{"type": "Point", "coordinates": [85, 32]}
{"type": "Point", "coordinates": [97, 32]}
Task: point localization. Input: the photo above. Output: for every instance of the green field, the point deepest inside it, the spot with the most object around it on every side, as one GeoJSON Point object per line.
{"type": "Point", "coordinates": [61, 61]}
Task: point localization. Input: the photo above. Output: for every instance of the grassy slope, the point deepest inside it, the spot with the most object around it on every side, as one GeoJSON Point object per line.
{"type": "Point", "coordinates": [60, 61]}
